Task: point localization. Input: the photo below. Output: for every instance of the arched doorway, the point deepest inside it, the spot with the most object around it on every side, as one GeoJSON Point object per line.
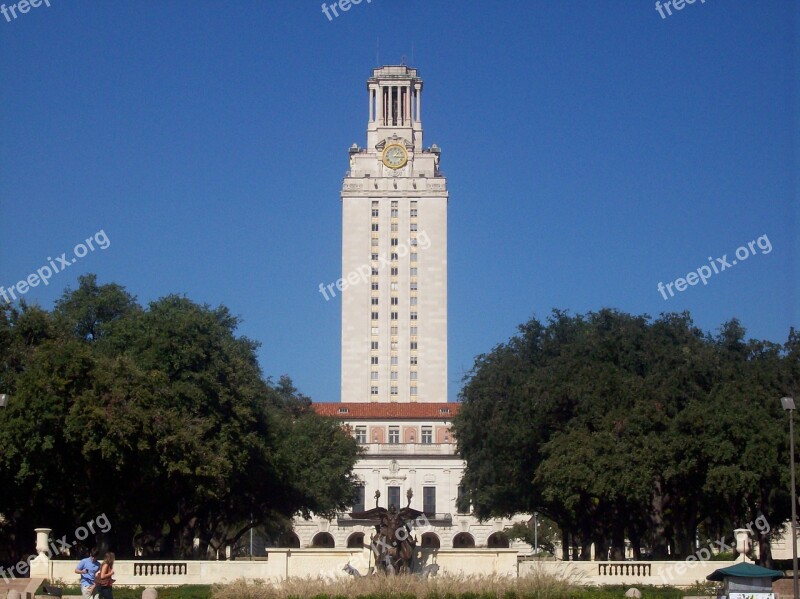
{"type": "Point", "coordinates": [430, 541]}
{"type": "Point", "coordinates": [323, 539]}
{"type": "Point", "coordinates": [463, 540]}
{"type": "Point", "coordinates": [355, 540]}
{"type": "Point", "coordinates": [497, 540]}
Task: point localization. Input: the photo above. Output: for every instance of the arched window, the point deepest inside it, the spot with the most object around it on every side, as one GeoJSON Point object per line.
{"type": "Point", "coordinates": [355, 540]}
{"type": "Point", "coordinates": [462, 540]}
{"type": "Point", "coordinates": [498, 540]}
{"type": "Point", "coordinates": [323, 539]}
{"type": "Point", "coordinates": [430, 541]}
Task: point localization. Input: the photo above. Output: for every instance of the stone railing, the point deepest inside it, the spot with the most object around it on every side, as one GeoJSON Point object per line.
{"type": "Point", "coordinates": [160, 569]}
{"type": "Point", "coordinates": [624, 569]}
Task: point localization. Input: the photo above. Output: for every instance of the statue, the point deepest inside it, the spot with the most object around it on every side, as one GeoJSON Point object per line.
{"type": "Point", "coordinates": [392, 544]}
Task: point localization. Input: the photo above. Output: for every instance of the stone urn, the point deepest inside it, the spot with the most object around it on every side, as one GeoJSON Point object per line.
{"type": "Point", "coordinates": [742, 541]}
{"type": "Point", "coordinates": [150, 593]}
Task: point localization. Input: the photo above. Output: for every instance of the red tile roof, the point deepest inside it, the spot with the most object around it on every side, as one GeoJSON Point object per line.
{"type": "Point", "coordinates": [377, 411]}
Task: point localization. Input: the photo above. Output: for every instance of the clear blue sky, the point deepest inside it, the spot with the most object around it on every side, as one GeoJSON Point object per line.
{"type": "Point", "coordinates": [593, 150]}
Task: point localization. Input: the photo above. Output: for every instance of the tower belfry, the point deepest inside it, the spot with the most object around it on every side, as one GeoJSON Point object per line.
{"type": "Point", "coordinates": [395, 102]}
{"type": "Point", "coordinates": [394, 228]}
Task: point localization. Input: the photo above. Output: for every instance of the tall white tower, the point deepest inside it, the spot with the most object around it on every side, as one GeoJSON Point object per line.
{"type": "Point", "coordinates": [394, 253]}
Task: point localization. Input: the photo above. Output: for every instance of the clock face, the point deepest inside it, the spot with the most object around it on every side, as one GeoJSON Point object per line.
{"type": "Point", "coordinates": [395, 156]}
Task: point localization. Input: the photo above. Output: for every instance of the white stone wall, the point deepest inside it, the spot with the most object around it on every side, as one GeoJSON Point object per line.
{"type": "Point", "coordinates": [328, 563]}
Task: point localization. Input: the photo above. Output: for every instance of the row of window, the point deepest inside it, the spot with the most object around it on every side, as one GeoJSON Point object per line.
{"type": "Point", "coordinates": [393, 377]}
{"type": "Point", "coordinates": [393, 499]}
{"type": "Point", "coordinates": [394, 228]}
{"type": "Point", "coordinates": [394, 287]}
{"type": "Point", "coordinates": [395, 211]}
{"type": "Point", "coordinates": [394, 435]}
{"type": "Point", "coordinates": [374, 345]}
{"type": "Point", "coordinates": [393, 361]}
{"type": "Point", "coordinates": [373, 390]}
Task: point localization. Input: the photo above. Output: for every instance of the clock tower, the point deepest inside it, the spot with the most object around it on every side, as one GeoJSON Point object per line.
{"type": "Point", "coordinates": [394, 252]}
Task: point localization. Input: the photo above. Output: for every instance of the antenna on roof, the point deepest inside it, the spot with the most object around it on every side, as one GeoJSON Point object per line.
{"type": "Point", "coordinates": [403, 60]}
{"type": "Point", "coordinates": [412, 51]}
{"type": "Point", "coordinates": [377, 51]}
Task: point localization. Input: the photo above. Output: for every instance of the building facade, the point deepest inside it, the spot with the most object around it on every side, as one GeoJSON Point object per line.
{"type": "Point", "coordinates": [394, 332]}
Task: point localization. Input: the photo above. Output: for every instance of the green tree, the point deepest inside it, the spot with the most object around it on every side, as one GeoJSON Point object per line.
{"type": "Point", "coordinates": [160, 418]}
{"type": "Point", "coordinates": [620, 427]}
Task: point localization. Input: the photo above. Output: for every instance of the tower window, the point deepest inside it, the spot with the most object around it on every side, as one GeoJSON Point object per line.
{"type": "Point", "coordinates": [414, 390]}
{"type": "Point", "coordinates": [413, 315]}
{"type": "Point", "coordinates": [374, 345]}
{"type": "Point", "coordinates": [413, 345]}
{"type": "Point", "coordinates": [375, 227]}
{"type": "Point", "coordinates": [373, 360]}
{"type": "Point", "coordinates": [373, 390]}
{"type": "Point", "coordinates": [374, 301]}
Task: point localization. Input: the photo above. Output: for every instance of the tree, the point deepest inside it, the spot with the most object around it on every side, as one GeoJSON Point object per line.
{"type": "Point", "coordinates": [621, 427]}
{"type": "Point", "coordinates": [159, 417]}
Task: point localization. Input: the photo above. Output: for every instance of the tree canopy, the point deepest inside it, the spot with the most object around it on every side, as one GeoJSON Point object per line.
{"type": "Point", "coordinates": [620, 427]}
{"type": "Point", "coordinates": [159, 417]}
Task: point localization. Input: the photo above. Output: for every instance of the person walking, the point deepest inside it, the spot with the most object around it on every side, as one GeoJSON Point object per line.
{"type": "Point", "coordinates": [105, 578]}
{"type": "Point", "coordinates": [88, 568]}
